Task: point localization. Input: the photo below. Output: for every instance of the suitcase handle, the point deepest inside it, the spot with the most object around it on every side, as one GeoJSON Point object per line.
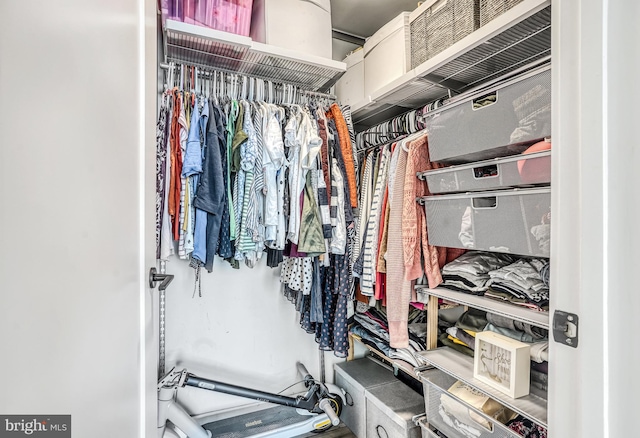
{"type": "Point", "coordinates": [485, 203]}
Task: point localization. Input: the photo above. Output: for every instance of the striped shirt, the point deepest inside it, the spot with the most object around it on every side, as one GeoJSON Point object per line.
{"type": "Point", "coordinates": [371, 240]}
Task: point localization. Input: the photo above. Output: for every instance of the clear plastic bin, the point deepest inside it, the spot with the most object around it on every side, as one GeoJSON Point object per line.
{"type": "Point", "coordinates": [233, 16]}
{"type": "Point", "coordinates": [495, 122]}
{"type": "Point", "coordinates": [511, 221]}
{"type": "Point", "coordinates": [514, 171]}
{"type": "Point", "coordinates": [452, 416]}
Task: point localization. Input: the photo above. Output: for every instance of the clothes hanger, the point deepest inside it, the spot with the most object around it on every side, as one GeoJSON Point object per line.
{"type": "Point", "coordinates": [252, 89]}
{"type": "Point", "coordinates": [244, 88]}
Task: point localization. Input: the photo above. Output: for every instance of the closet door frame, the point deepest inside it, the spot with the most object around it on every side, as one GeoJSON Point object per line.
{"type": "Point", "coordinates": [595, 209]}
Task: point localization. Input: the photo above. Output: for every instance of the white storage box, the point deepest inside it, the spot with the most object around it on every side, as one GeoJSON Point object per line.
{"type": "Point", "coordinates": [511, 221]}
{"type": "Point", "coordinates": [350, 87]}
{"type": "Point", "coordinates": [304, 26]}
{"type": "Point", "coordinates": [451, 416]}
{"type": "Point", "coordinates": [355, 377]}
{"type": "Point", "coordinates": [390, 411]}
{"type": "Point", "coordinates": [514, 171]}
{"type": "Point", "coordinates": [503, 363]}
{"type": "Point", "coordinates": [495, 122]}
{"type": "Point", "coordinates": [387, 54]}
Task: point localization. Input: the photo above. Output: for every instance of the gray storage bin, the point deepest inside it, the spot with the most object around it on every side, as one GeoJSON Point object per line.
{"type": "Point", "coordinates": [439, 24]}
{"type": "Point", "coordinates": [450, 416]}
{"type": "Point", "coordinates": [355, 377]}
{"type": "Point", "coordinates": [512, 221]}
{"type": "Point", "coordinates": [499, 121]}
{"type": "Point", "coordinates": [514, 171]}
{"type": "Point", "coordinates": [390, 411]}
{"type": "Point", "coordinates": [490, 9]}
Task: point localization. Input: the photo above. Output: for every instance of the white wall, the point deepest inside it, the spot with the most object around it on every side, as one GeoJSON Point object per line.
{"type": "Point", "coordinates": [75, 315]}
{"type": "Point", "coordinates": [241, 331]}
{"type": "Point", "coordinates": [342, 48]}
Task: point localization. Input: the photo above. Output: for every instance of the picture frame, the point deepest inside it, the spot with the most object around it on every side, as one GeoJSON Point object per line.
{"type": "Point", "coordinates": [502, 363]}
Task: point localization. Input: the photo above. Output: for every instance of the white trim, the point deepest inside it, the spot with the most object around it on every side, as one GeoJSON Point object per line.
{"type": "Point", "coordinates": [605, 220]}
{"type": "Point", "coordinates": [141, 219]}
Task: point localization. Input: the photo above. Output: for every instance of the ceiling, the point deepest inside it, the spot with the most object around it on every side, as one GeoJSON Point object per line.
{"type": "Point", "coordinates": [363, 17]}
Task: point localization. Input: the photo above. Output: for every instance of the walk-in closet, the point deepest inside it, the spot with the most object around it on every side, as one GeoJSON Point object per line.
{"type": "Point", "coordinates": [301, 218]}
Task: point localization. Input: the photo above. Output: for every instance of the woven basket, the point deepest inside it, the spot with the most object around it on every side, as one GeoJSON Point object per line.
{"type": "Point", "coordinates": [490, 9]}
{"type": "Point", "coordinates": [440, 26]}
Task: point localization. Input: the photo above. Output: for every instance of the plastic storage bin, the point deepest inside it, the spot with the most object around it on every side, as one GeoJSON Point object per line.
{"type": "Point", "coordinates": [303, 26]}
{"type": "Point", "coordinates": [490, 9]}
{"type": "Point", "coordinates": [390, 411]}
{"type": "Point", "coordinates": [438, 24]}
{"type": "Point", "coordinates": [387, 54]}
{"type": "Point", "coordinates": [511, 221]}
{"type": "Point", "coordinates": [355, 377]}
{"type": "Point", "coordinates": [514, 171]}
{"type": "Point", "coordinates": [451, 416]}
{"type": "Point", "coordinates": [232, 16]}
{"type": "Point", "coordinates": [350, 87]}
{"type": "Point", "coordinates": [502, 120]}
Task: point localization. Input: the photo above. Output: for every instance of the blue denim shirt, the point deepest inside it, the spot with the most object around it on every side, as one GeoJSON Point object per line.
{"type": "Point", "coordinates": [192, 163]}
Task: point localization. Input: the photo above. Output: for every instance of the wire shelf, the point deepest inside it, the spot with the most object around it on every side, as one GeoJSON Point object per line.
{"type": "Point", "coordinates": [517, 38]}
{"type": "Point", "coordinates": [209, 48]}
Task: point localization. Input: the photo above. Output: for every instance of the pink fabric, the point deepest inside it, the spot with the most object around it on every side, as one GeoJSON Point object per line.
{"type": "Point", "coordinates": [414, 223]}
{"type": "Point", "coordinates": [398, 290]}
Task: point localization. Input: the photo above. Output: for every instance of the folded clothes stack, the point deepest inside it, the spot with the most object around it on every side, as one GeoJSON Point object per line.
{"type": "Point", "coordinates": [470, 272]}
{"type": "Point", "coordinates": [527, 428]}
{"type": "Point", "coordinates": [520, 281]}
{"type": "Point", "coordinates": [371, 328]}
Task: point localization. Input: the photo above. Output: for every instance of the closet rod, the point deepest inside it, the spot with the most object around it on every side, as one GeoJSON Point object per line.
{"type": "Point", "coordinates": [166, 66]}
{"type": "Point", "coordinates": [388, 140]}
{"type": "Point", "coordinates": [382, 133]}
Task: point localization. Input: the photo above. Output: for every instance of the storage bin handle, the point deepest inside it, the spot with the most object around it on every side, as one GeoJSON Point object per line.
{"type": "Point", "coordinates": [348, 398]}
{"type": "Point", "coordinates": [484, 203]}
{"type": "Point", "coordinates": [484, 101]}
{"type": "Point", "coordinates": [489, 171]}
{"type": "Point", "coordinates": [380, 428]}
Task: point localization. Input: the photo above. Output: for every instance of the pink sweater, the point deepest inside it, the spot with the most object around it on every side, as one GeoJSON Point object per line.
{"type": "Point", "coordinates": [414, 223]}
{"type": "Point", "coordinates": [398, 291]}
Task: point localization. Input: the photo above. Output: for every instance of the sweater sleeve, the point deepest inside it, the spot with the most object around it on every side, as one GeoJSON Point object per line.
{"type": "Point", "coordinates": [410, 229]}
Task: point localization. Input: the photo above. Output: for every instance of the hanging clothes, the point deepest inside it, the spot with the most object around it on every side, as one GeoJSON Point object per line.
{"type": "Point", "coordinates": [398, 289]}
{"type": "Point", "coordinates": [161, 170]}
{"type": "Point", "coordinates": [236, 178]}
{"type": "Point", "coordinates": [370, 256]}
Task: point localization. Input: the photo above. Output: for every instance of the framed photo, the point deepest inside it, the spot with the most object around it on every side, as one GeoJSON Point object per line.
{"type": "Point", "coordinates": [502, 363]}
